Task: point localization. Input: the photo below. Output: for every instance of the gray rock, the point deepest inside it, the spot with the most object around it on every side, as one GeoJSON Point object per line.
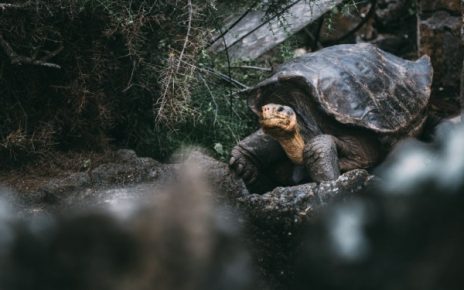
{"type": "Point", "coordinates": [220, 178]}
{"type": "Point", "coordinates": [58, 187]}
{"type": "Point", "coordinates": [134, 180]}
{"type": "Point", "coordinates": [296, 204]}
{"type": "Point", "coordinates": [126, 170]}
{"type": "Point", "coordinates": [126, 155]}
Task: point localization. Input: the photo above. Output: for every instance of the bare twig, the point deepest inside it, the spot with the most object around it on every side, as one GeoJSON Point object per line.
{"type": "Point", "coordinates": [228, 65]}
{"type": "Point", "coordinates": [4, 6]}
{"type": "Point", "coordinates": [238, 93]}
{"type": "Point", "coordinates": [225, 77]}
{"type": "Point", "coordinates": [129, 83]}
{"type": "Point", "coordinates": [20, 59]}
{"type": "Point", "coordinates": [52, 54]}
{"type": "Point", "coordinates": [212, 97]}
{"type": "Point", "coordinates": [218, 74]}
{"type": "Point", "coordinates": [187, 35]}
{"type": "Point", "coordinates": [253, 67]}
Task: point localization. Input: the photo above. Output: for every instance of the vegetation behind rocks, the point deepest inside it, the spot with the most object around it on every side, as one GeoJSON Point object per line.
{"type": "Point", "coordinates": [89, 74]}
{"type": "Point", "coordinates": [98, 74]}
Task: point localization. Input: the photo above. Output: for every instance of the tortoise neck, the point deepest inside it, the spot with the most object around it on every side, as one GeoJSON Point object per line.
{"type": "Point", "coordinates": [293, 146]}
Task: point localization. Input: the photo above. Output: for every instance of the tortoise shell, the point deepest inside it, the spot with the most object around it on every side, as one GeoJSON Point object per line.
{"type": "Point", "coordinates": [357, 84]}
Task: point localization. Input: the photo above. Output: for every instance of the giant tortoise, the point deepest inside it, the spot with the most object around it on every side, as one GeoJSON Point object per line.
{"type": "Point", "coordinates": [333, 110]}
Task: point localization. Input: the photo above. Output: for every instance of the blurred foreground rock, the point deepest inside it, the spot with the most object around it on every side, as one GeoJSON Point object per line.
{"type": "Point", "coordinates": [128, 179]}
{"type": "Point", "coordinates": [405, 233]}
{"type": "Point", "coordinates": [134, 223]}
{"type": "Point", "coordinates": [152, 231]}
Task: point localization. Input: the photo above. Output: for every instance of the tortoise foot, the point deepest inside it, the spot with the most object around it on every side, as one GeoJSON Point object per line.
{"type": "Point", "coordinates": [321, 159]}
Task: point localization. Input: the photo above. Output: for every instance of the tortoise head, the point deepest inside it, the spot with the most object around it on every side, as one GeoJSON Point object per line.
{"type": "Point", "coordinates": [278, 120]}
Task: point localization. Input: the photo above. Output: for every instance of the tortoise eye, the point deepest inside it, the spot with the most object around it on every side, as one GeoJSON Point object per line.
{"type": "Point", "coordinates": [280, 109]}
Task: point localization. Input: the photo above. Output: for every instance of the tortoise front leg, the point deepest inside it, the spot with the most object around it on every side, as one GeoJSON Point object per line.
{"type": "Point", "coordinates": [253, 157]}
{"type": "Point", "coordinates": [320, 158]}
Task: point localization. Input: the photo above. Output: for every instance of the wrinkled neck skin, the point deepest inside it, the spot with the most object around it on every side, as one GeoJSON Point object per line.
{"type": "Point", "coordinates": [292, 143]}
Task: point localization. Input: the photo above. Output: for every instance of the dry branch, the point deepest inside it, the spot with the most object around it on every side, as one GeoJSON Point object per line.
{"type": "Point", "coordinates": [20, 59]}
{"type": "Point", "coordinates": [256, 34]}
{"type": "Point", "coordinates": [268, 69]}
{"type": "Point", "coordinates": [4, 6]}
{"type": "Point", "coordinates": [187, 35]}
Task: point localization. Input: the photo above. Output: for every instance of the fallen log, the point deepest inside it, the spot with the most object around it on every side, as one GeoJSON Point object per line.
{"type": "Point", "coordinates": [254, 35]}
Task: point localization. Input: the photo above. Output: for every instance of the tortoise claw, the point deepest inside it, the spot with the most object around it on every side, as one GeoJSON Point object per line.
{"type": "Point", "coordinates": [232, 161]}
{"type": "Point", "coordinates": [243, 167]}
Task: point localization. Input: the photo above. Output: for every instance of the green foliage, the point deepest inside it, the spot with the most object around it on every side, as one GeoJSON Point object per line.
{"type": "Point", "coordinates": [118, 59]}
{"type": "Point", "coordinates": [133, 74]}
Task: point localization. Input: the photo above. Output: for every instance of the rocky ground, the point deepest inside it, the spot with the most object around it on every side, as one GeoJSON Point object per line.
{"type": "Point", "coordinates": [116, 198]}
{"type": "Point", "coordinates": [134, 222]}
{"type": "Point", "coordinates": [131, 178]}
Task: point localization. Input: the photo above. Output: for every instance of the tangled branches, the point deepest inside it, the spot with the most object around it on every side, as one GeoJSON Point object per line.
{"type": "Point", "coordinates": [173, 104]}
{"type": "Point", "coordinates": [88, 73]}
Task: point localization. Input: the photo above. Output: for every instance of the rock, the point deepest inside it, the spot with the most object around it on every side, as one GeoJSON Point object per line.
{"type": "Point", "coordinates": [59, 187]}
{"type": "Point", "coordinates": [388, 12]}
{"type": "Point", "coordinates": [220, 178]}
{"type": "Point", "coordinates": [182, 242]}
{"type": "Point", "coordinates": [439, 36]}
{"type": "Point", "coordinates": [289, 206]}
{"type": "Point", "coordinates": [410, 229]}
{"type": "Point", "coordinates": [127, 169]}
{"type": "Point", "coordinates": [278, 220]}
{"type": "Point", "coordinates": [133, 179]}
{"type": "Point", "coordinates": [117, 173]}
{"type": "Point", "coordinates": [384, 239]}
{"type": "Point", "coordinates": [126, 155]}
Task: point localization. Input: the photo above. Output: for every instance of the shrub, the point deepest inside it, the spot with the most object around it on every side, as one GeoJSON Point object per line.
{"type": "Point", "coordinates": [89, 74]}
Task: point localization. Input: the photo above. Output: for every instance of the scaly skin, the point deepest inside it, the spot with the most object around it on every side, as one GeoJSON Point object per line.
{"type": "Point", "coordinates": [319, 154]}
{"type": "Point", "coordinates": [280, 123]}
